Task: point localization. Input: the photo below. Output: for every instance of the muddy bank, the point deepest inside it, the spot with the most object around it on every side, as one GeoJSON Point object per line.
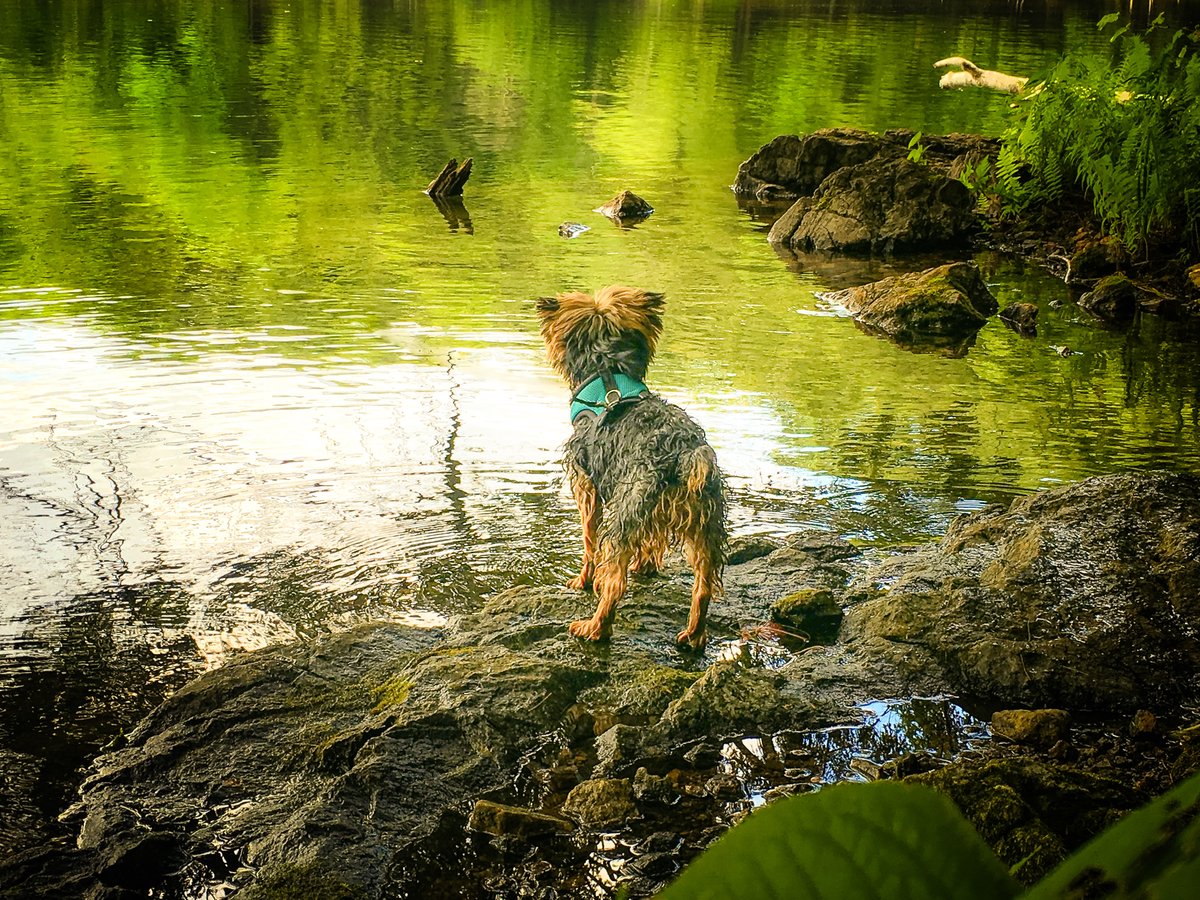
{"type": "Point", "coordinates": [497, 756]}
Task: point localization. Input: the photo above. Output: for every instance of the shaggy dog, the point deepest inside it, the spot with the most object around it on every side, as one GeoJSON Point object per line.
{"type": "Point", "coordinates": [642, 473]}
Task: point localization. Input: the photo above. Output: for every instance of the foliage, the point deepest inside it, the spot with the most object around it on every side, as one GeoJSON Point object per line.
{"type": "Point", "coordinates": [897, 841]}
{"type": "Point", "coordinates": [1125, 127]}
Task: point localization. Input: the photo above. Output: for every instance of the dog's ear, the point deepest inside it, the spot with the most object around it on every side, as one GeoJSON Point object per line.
{"type": "Point", "coordinates": [546, 306]}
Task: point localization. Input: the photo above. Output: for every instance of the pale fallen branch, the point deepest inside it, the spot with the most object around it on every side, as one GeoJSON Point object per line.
{"type": "Point", "coordinates": [973, 76]}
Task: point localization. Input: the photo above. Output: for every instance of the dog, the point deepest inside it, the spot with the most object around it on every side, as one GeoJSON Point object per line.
{"type": "Point", "coordinates": [641, 470]}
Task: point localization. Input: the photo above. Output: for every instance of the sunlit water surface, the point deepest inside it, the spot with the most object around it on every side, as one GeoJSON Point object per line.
{"type": "Point", "coordinates": [254, 385]}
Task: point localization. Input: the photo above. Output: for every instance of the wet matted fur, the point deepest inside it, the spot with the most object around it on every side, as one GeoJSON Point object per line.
{"type": "Point", "coordinates": [644, 480]}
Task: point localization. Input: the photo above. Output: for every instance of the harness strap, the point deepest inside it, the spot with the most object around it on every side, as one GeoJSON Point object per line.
{"type": "Point", "coordinates": [605, 392]}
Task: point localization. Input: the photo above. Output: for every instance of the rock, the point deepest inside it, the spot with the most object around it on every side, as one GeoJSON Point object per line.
{"type": "Point", "coordinates": [1114, 299]}
{"type": "Point", "coordinates": [501, 820]}
{"type": "Point", "coordinates": [601, 802]}
{"type": "Point", "coordinates": [1032, 814]}
{"type": "Point", "coordinates": [626, 205]}
{"type": "Point", "coordinates": [947, 303]}
{"type": "Point", "coordinates": [744, 548]}
{"type": "Point", "coordinates": [880, 206]}
{"type": "Point", "coordinates": [571, 229]}
{"type": "Point", "coordinates": [1083, 597]}
{"type": "Point", "coordinates": [1094, 259]}
{"type": "Point", "coordinates": [791, 166]}
{"type": "Point", "coordinates": [822, 545]}
{"type": "Point", "coordinates": [1143, 724]}
{"type": "Point", "coordinates": [1039, 727]}
{"type": "Point", "coordinates": [724, 786]}
{"type": "Point", "coordinates": [655, 788]}
{"type": "Point", "coordinates": [1021, 318]}
{"type": "Point", "coordinates": [812, 611]}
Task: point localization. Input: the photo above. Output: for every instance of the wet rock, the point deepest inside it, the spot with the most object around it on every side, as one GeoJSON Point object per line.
{"type": "Point", "coordinates": [1094, 259]}
{"type": "Point", "coordinates": [945, 303]}
{"type": "Point", "coordinates": [910, 764]}
{"type": "Point", "coordinates": [656, 788]}
{"type": "Point", "coordinates": [1038, 727]}
{"type": "Point", "coordinates": [1031, 813]}
{"type": "Point", "coordinates": [1021, 318]}
{"type": "Point", "coordinates": [601, 802]}
{"type": "Point", "coordinates": [1114, 299]}
{"type": "Point", "coordinates": [792, 166]}
{"type": "Point", "coordinates": [1144, 724]}
{"type": "Point", "coordinates": [625, 747]}
{"type": "Point", "coordinates": [814, 612]}
{"type": "Point", "coordinates": [744, 548]}
{"type": "Point", "coordinates": [1083, 597]}
{"type": "Point", "coordinates": [881, 206]}
{"type": "Point", "coordinates": [501, 820]}
{"type": "Point", "coordinates": [822, 545]}
{"type": "Point", "coordinates": [626, 205]}
{"type": "Point", "coordinates": [724, 786]}
{"type": "Point", "coordinates": [571, 229]}
{"type": "Point", "coordinates": [702, 755]}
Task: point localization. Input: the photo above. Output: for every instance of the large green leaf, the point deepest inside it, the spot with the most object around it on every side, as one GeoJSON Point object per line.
{"type": "Point", "coordinates": [1152, 853]}
{"type": "Point", "coordinates": [881, 840]}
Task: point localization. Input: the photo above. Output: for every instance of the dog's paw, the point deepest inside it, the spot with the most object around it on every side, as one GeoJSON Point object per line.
{"type": "Point", "coordinates": [685, 640]}
{"type": "Point", "coordinates": [579, 583]}
{"type": "Point", "coordinates": [588, 630]}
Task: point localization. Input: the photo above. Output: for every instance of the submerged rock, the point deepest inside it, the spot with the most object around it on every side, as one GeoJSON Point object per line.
{"type": "Point", "coordinates": [948, 303]}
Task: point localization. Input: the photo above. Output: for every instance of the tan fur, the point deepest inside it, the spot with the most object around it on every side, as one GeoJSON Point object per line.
{"type": "Point", "coordinates": [614, 309]}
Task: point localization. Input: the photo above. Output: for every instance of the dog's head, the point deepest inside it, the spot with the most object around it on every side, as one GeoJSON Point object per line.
{"type": "Point", "coordinates": [617, 330]}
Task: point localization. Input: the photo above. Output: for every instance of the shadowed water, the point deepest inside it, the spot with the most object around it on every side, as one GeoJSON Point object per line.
{"type": "Point", "coordinates": [254, 385]}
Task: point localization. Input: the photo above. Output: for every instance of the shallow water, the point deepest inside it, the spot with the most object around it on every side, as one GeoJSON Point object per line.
{"type": "Point", "coordinates": [255, 385]}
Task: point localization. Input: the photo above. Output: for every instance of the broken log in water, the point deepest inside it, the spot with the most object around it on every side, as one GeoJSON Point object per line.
{"type": "Point", "coordinates": [451, 179]}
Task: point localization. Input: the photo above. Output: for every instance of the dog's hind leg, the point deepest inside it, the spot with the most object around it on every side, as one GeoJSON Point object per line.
{"type": "Point", "coordinates": [590, 510]}
{"type": "Point", "coordinates": [706, 586]}
{"type": "Point", "coordinates": [611, 580]}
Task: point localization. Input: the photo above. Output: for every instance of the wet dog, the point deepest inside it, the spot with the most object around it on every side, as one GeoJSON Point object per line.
{"type": "Point", "coordinates": [642, 473]}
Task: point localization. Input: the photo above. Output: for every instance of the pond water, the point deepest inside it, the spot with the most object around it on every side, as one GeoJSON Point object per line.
{"type": "Point", "coordinates": [254, 385]}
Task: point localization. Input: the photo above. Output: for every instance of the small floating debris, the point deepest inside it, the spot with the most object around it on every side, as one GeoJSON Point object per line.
{"type": "Point", "coordinates": [571, 229]}
{"type": "Point", "coordinates": [625, 205]}
{"type": "Point", "coordinates": [1063, 351]}
{"type": "Point", "coordinates": [449, 182]}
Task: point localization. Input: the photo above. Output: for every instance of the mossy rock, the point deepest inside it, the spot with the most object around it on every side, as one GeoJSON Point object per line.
{"type": "Point", "coordinates": [814, 612]}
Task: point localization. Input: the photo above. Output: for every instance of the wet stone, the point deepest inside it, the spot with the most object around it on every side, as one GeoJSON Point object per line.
{"type": "Point", "coordinates": [655, 788]}
{"type": "Point", "coordinates": [744, 548]}
{"type": "Point", "coordinates": [1037, 727]}
{"type": "Point", "coordinates": [601, 801]}
{"type": "Point", "coordinates": [501, 820]}
{"type": "Point", "coordinates": [813, 612]}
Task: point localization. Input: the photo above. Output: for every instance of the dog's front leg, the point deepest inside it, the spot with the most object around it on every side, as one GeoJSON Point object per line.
{"type": "Point", "coordinates": [590, 510]}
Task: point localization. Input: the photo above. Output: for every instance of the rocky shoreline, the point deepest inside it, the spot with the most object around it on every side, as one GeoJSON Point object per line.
{"type": "Point", "coordinates": [847, 191]}
{"type": "Point", "coordinates": [499, 757]}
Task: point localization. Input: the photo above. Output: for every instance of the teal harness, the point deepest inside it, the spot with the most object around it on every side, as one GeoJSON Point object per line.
{"type": "Point", "coordinates": [604, 393]}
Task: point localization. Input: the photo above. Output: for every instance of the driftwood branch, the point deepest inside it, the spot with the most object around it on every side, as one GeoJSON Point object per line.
{"type": "Point", "coordinates": [450, 180]}
{"type": "Point", "coordinates": [973, 76]}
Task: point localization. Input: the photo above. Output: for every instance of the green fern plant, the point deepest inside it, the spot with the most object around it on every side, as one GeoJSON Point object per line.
{"type": "Point", "coordinates": [1125, 128]}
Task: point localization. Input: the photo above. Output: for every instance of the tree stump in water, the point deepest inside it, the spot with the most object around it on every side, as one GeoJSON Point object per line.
{"type": "Point", "coordinates": [450, 180]}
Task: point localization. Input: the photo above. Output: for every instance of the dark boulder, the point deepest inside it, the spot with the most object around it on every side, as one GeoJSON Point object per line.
{"type": "Point", "coordinates": [1021, 318]}
{"type": "Point", "coordinates": [625, 205]}
{"type": "Point", "coordinates": [880, 206]}
{"type": "Point", "coordinates": [792, 166]}
{"type": "Point", "coordinates": [1113, 299]}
